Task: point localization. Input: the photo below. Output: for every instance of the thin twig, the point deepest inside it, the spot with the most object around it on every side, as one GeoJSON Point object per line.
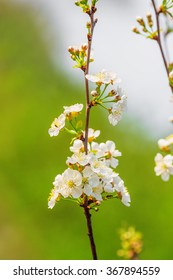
{"type": "Point", "coordinates": [90, 231]}
{"type": "Point", "coordinates": [88, 107]}
{"type": "Point", "coordinates": [159, 37]}
{"type": "Point", "coordinates": [159, 40]}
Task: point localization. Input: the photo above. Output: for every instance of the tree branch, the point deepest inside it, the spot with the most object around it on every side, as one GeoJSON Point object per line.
{"type": "Point", "coordinates": [159, 40]}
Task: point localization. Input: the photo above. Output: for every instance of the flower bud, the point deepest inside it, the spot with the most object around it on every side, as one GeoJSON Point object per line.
{"type": "Point", "coordinates": [84, 47]}
{"type": "Point", "coordinates": [88, 25]}
{"type": "Point", "coordinates": [135, 30]}
{"type": "Point", "coordinates": [140, 21]}
{"type": "Point", "coordinates": [171, 78]}
{"type": "Point", "coordinates": [112, 93]}
{"type": "Point", "coordinates": [171, 75]}
{"type": "Point", "coordinates": [149, 19]}
{"type": "Point", "coordinates": [71, 50]}
{"type": "Point", "coordinates": [94, 93]}
{"type": "Point", "coordinates": [162, 9]}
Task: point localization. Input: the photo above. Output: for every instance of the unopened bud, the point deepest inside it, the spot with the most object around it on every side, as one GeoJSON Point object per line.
{"type": "Point", "coordinates": [162, 9]}
{"type": "Point", "coordinates": [71, 49]}
{"type": "Point", "coordinates": [88, 25]}
{"type": "Point", "coordinates": [140, 21]}
{"type": "Point", "coordinates": [171, 78]}
{"type": "Point", "coordinates": [94, 93]}
{"type": "Point", "coordinates": [171, 75]}
{"type": "Point", "coordinates": [84, 47]}
{"type": "Point", "coordinates": [135, 30]}
{"type": "Point", "coordinates": [112, 93]}
{"type": "Point", "coordinates": [149, 19]}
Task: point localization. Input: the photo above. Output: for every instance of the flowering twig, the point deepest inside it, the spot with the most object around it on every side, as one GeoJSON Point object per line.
{"type": "Point", "coordinates": [91, 26]}
{"type": "Point", "coordinates": [164, 164]}
{"type": "Point", "coordinates": [91, 175]}
{"type": "Point", "coordinates": [88, 105]}
{"type": "Point", "coordinates": [147, 31]}
{"type": "Point", "coordinates": [158, 38]}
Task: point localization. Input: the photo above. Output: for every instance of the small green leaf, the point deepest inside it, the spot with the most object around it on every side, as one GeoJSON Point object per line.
{"type": "Point", "coordinates": [79, 125]}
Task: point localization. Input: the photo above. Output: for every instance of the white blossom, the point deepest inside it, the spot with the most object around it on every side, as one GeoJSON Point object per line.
{"type": "Point", "coordinates": [77, 147]}
{"type": "Point", "coordinates": [80, 158]}
{"type": "Point", "coordinates": [90, 180]}
{"type": "Point", "coordinates": [120, 92]}
{"type": "Point", "coordinates": [53, 197]}
{"type": "Point", "coordinates": [57, 125]}
{"type": "Point", "coordinates": [108, 184]}
{"type": "Point", "coordinates": [103, 77]}
{"type": "Point", "coordinates": [97, 191]}
{"type": "Point", "coordinates": [116, 110]}
{"type": "Point", "coordinates": [69, 183]}
{"type": "Point", "coordinates": [95, 150]}
{"type": "Point", "coordinates": [122, 191]}
{"type": "Point", "coordinates": [92, 134]}
{"type": "Point", "coordinates": [100, 168]}
{"type": "Point", "coordinates": [73, 109]}
{"type": "Point", "coordinates": [125, 197]}
{"type": "Point", "coordinates": [110, 153]}
{"type": "Point", "coordinates": [72, 180]}
{"type": "Point", "coordinates": [165, 143]}
{"type": "Point", "coordinates": [164, 166]}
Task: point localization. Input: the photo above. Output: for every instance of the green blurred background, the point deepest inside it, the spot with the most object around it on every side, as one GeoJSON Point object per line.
{"type": "Point", "coordinates": [32, 93]}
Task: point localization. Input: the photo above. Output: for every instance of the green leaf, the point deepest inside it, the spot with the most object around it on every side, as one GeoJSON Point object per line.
{"type": "Point", "coordinates": [79, 125]}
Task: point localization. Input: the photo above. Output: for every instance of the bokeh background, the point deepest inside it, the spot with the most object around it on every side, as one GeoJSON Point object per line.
{"type": "Point", "coordinates": [36, 80]}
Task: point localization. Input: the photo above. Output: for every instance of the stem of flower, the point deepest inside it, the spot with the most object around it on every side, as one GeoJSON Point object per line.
{"type": "Point", "coordinates": [159, 40]}
{"type": "Point", "coordinates": [88, 107]}
{"type": "Point", "coordinates": [103, 91]}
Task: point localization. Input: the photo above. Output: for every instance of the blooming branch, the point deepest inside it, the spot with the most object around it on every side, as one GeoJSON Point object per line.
{"type": "Point", "coordinates": [164, 163]}
{"type": "Point", "coordinates": [91, 176]}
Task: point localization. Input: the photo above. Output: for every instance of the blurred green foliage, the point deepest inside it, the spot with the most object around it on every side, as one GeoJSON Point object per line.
{"type": "Point", "coordinates": [32, 93]}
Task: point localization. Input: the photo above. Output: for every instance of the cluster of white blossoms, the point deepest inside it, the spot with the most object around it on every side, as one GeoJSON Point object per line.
{"type": "Point", "coordinates": [164, 164]}
{"type": "Point", "coordinates": [116, 97]}
{"type": "Point", "coordinates": [92, 174]}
